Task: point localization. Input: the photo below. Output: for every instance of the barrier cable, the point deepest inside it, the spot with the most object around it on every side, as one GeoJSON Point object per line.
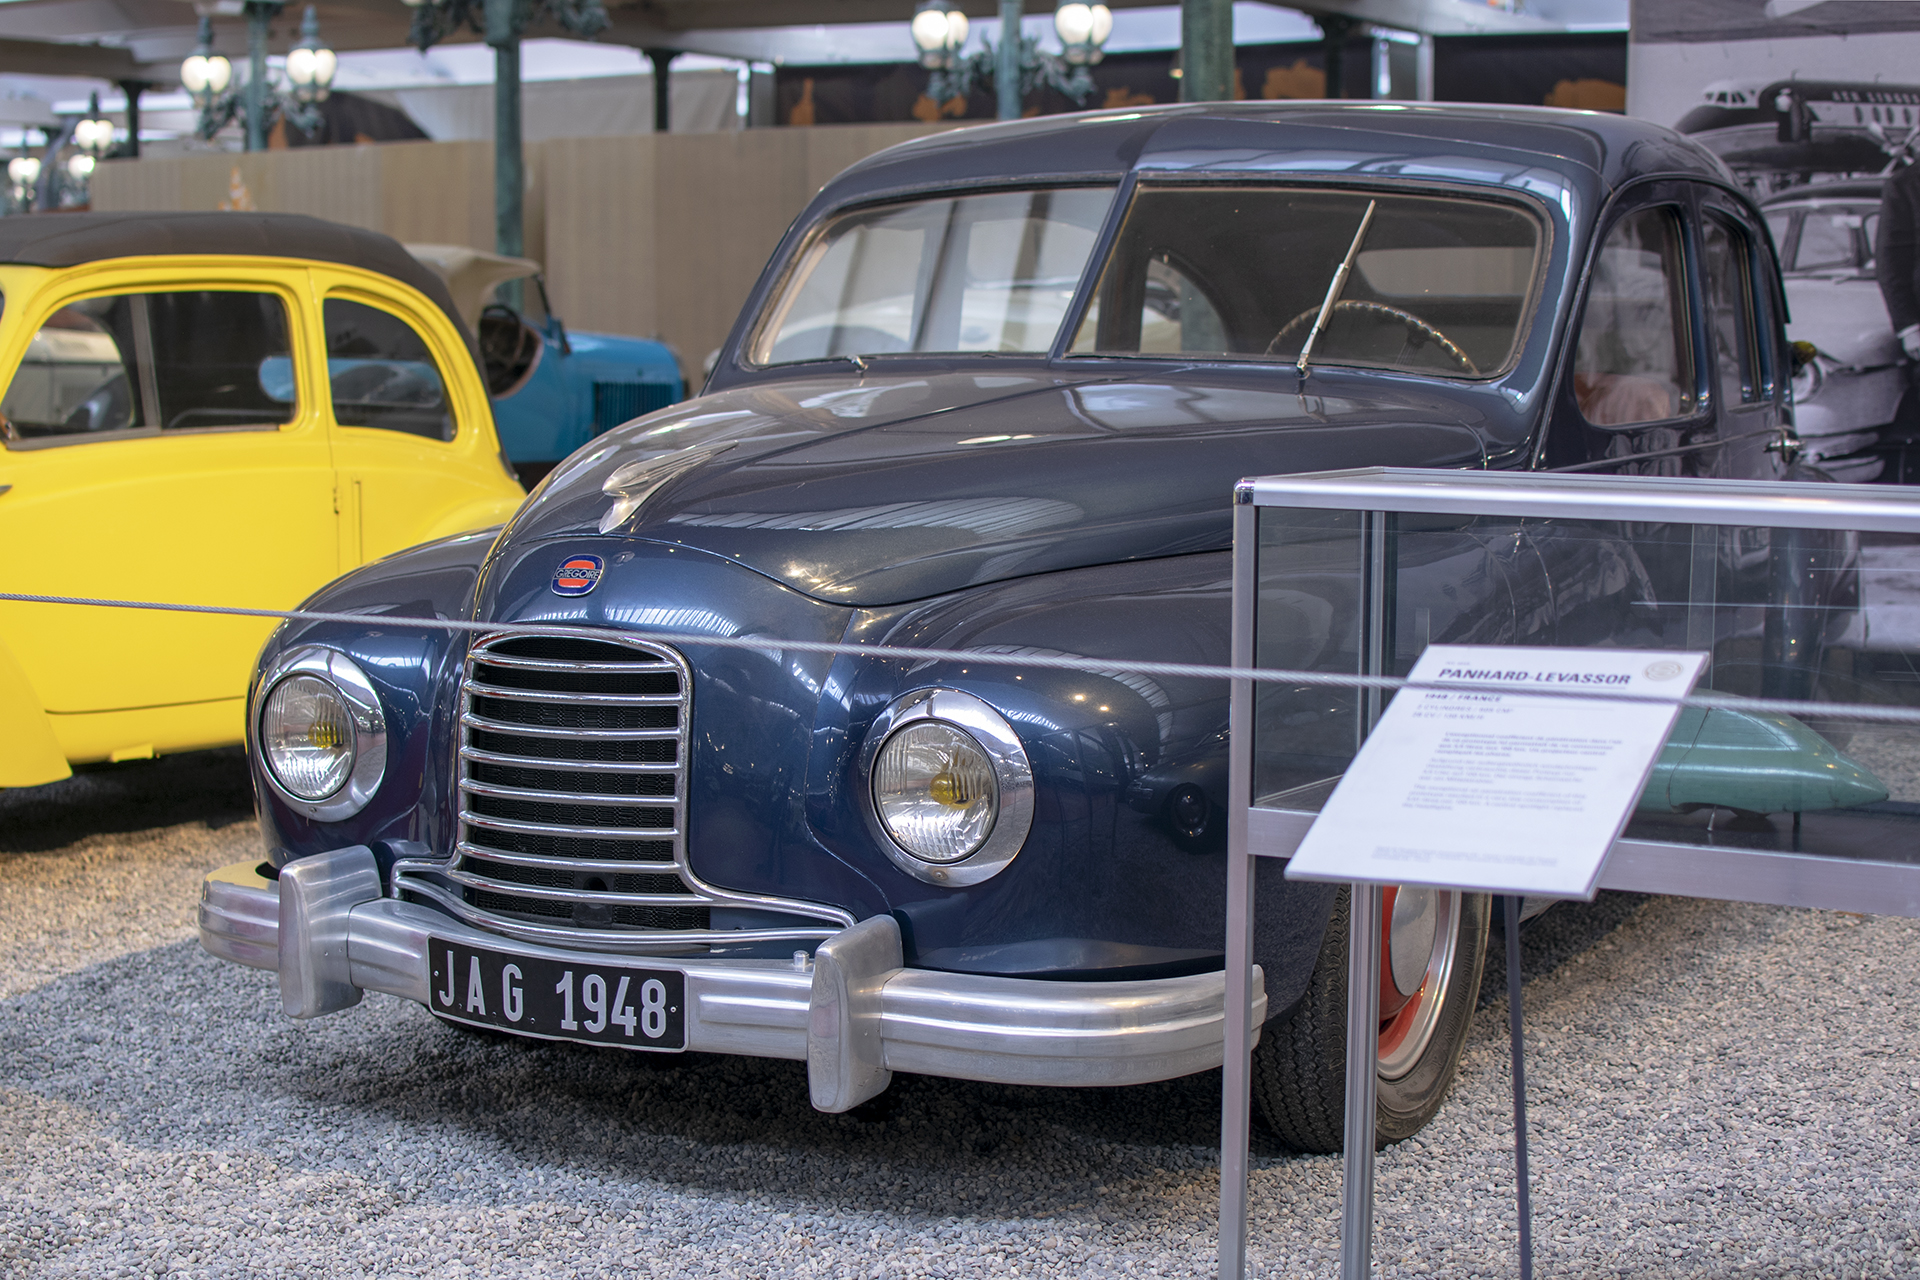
{"type": "Point", "coordinates": [988, 657]}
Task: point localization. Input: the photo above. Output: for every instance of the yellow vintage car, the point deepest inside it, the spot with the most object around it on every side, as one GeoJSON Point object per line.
{"type": "Point", "coordinates": [221, 408]}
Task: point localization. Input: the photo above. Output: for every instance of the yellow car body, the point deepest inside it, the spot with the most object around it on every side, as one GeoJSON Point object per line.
{"type": "Point", "coordinates": [110, 489]}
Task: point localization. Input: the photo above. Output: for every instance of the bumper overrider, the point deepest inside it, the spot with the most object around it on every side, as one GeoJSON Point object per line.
{"type": "Point", "coordinates": [854, 1015]}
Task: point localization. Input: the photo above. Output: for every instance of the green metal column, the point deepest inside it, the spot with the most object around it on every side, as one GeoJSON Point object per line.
{"type": "Point", "coordinates": [259, 14]}
{"type": "Point", "coordinates": [133, 89]}
{"type": "Point", "coordinates": [1006, 62]}
{"type": "Point", "coordinates": [509, 171]}
{"type": "Point", "coordinates": [504, 24]}
{"type": "Point", "coordinates": [662, 60]}
{"type": "Point", "coordinates": [1335, 30]}
{"type": "Point", "coordinates": [1206, 50]}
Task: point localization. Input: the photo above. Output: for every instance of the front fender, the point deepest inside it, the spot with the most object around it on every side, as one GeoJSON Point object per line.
{"type": "Point", "coordinates": [410, 668]}
{"type": "Point", "coordinates": [29, 753]}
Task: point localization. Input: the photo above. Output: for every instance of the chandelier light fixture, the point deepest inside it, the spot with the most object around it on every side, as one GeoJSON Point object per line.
{"type": "Point", "coordinates": [940, 30]}
{"type": "Point", "coordinates": [205, 75]}
{"type": "Point", "coordinates": [1083, 30]}
{"type": "Point", "coordinates": [311, 64]}
{"type": "Point", "coordinates": [93, 133]}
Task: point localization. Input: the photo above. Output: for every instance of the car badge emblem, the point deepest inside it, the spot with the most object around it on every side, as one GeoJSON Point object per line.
{"type": "Point", "coordinates": [579, 575]}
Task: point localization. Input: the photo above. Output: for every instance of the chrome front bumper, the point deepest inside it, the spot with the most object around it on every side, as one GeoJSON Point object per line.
{"type": "Point", "coordinates": [854, 1016]}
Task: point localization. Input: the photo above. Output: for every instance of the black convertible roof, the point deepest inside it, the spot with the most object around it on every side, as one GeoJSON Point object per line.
{"type": "Point", "coordinates": [71, 239]}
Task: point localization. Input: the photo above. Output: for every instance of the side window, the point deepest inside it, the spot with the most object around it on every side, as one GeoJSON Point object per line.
{"type": "Point", "coordinates": [1727, 265]}
{"type": "Point", "coordinates": [153, 362]}
{"type": "Point", "coordinates": [1634, 362]}
{"type": "Point", "coordinates": [381, 373]}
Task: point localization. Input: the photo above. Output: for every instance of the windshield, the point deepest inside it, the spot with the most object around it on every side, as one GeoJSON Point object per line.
{"type": "Point", "coordinates": [992, 272]}
{"type": "Point", "coordinates": [1439, 285]}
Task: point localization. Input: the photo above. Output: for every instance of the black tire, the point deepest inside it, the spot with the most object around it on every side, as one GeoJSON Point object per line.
{"type": "Point", "coordinates": [1299, 1066]}
{"type": "Point", "coordinates": [1195, 821]}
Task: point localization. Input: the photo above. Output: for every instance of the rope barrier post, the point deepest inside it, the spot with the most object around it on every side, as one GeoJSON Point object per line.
{"type": "Point", "coordinates": [1364, 905]}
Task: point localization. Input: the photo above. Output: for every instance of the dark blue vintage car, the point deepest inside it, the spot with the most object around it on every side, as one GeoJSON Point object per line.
{"type": "Point", "coordinates": [993, 393]}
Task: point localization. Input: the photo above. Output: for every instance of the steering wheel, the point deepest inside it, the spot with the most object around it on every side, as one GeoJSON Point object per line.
{"type": "Point", "coordinates": [1420, 328]}
{"type": "Point", "coordinates": [508, 346]}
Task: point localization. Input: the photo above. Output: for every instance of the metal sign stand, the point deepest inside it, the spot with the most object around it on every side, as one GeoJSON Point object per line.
{"type": "Point", "coordinates": [1522, 1184]}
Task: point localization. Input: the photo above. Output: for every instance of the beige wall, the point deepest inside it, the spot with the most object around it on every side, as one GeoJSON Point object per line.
{"type": "Point", "coordinates": [655, 235]}
{"type": "Point", "coordinates": [431, 191]}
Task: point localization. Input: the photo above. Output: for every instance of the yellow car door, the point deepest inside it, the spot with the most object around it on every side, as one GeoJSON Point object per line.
{"type": "Point", "coordinates": [412, 430]}
{"type": "Point", "coordinates": [163, 441]}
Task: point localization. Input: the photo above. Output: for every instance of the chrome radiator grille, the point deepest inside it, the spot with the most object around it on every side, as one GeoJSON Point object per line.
{"type": "Point", "coordinates": [573, 785]}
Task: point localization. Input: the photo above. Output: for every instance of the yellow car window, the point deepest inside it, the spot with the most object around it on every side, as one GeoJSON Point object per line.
{"type": "Point", "coordinates": [382, 374]}
{"type": "Point", "coordinates": [153, 362]}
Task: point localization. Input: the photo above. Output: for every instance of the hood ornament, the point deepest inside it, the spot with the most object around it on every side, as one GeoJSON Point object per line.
{"type": "Point", "coordinates": [632, 483]}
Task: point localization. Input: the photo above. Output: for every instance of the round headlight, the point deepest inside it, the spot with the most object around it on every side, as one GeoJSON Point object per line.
{"type": "Point", "coordinates": [949, 786]}
{"type": "Point", "coordinates": [934, 790]}
{"type": "Point", "coordinates": [307, 736]}
{"type": "Point", "coordinates": [320, 737]}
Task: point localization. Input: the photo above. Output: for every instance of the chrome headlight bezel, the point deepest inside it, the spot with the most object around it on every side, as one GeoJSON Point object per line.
{"type": "Point", "coordinates": [1013, 775]}
{"type": "Point", "coordinates": [356, 692]}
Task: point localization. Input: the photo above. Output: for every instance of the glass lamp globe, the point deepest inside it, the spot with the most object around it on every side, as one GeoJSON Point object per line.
{"type": "Point", "coordinates": [205, 73]}
{"type": "Point", "coordinates": [24, 170]}
{"type": "Point", "coordinates": [88, 136]}
{"type": "Point", "coordinates": [1083, 30]}
{"type": "Point", "coordinates": [939, 29]}
{"type": "Point", "coordinates": [310, 64]}
{"type": "Point", "coordinates": [80, 167]}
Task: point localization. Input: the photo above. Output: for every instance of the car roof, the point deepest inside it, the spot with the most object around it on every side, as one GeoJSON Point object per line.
{"type": "Point", "coordinates": [1583, 148]}
{"type": "Point", "coordinates": [74, 239]}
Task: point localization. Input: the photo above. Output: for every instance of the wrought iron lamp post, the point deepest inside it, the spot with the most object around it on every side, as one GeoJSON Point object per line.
{"type": "Point", "coordinates": [208, 78]}
{"type": "Point", "coordinates": [93, 133]}
{"type": "Point", "coordinates": [502, 23]}
{"type": "Point", "coordinates": [1016, 66]}
{"type": "Point", "coordinates": [310, 64]}
{"type": "Point", "coordinates": [939, 30]}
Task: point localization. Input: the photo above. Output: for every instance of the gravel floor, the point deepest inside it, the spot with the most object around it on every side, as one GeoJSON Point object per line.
{"type": "Point", "coordinates": [1717, 1091]}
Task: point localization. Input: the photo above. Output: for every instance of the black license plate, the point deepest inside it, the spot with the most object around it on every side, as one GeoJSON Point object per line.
{"type": "Point", "coordinates": [558, 1000]}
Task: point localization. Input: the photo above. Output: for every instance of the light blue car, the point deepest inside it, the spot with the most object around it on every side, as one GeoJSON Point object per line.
{"type": "Point", "coordinates": [552, 390]}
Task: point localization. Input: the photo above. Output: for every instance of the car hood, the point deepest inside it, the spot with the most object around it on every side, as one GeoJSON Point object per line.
{"type": "Point", "coordinates": [887, 489]}
{"type": "Point", "coordinates": [1844, 316]}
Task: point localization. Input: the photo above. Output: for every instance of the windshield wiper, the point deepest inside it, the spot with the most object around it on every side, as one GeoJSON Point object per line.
{"type": "Point", "coordinates": [1334, 287]}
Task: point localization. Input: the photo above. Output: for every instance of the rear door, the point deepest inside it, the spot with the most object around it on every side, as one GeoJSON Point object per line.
{"type": "Point", "coordinates": [410, 424]}
{"type": "Point", "coordinates": [1745, 340]}
{"type": "Point", "coordinates": [1637, 401]}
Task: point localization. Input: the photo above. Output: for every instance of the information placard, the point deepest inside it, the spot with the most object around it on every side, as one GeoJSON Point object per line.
{"type": "Point", "coordinates": [1505, 792]}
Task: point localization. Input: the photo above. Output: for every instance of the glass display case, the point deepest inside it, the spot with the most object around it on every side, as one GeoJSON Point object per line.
{"type": "Point", "coordinates": [1804, 597]}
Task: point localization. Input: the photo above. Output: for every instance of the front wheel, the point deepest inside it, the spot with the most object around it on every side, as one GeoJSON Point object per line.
{"type": "Point", "coordinates": [1433, 950]}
